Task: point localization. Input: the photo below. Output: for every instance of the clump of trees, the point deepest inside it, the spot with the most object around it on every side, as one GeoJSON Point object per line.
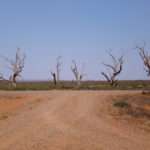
{"type": "Point", "coordinates": [114, 69]}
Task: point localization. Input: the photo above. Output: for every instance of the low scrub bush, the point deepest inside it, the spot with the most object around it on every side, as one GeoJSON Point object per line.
{"type": "Point", "coordinates": [121, 104]}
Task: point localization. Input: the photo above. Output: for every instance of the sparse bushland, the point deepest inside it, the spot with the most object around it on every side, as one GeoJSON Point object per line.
{"type": "Point", "coordinates": [114, 69]}
{"type": "Point", "coordinates": [71, 85]}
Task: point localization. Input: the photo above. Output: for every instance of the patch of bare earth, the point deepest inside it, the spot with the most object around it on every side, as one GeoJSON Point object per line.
{"type": "Point", "coordinates": [12, 102]}
{"type": "Point", "coordinates": [133, 109]}
{"type": "Point", "coordinates": [70, 120]}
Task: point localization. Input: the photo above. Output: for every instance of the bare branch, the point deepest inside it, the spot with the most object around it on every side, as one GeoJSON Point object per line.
{"type": "Point", "coordinates": [106, 76]}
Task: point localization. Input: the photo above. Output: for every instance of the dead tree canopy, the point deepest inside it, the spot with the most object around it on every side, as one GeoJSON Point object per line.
{"type": "Point", "coordinates": [77, 74]}
{"type": "Point", "coordinates": [114, 69]}
{"type": "Point", "coordinates": [16, 66]}
{"type": "Point", "coordinates": [56, 74]}
{"type": "Point", "coordinates": [145, 56]}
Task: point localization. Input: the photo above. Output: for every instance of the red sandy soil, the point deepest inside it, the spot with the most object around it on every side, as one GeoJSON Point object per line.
{"type": "Point", "coordinates": [66, 120]}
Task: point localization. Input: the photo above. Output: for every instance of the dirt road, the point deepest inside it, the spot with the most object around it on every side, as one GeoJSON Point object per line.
{"type": "Point", "coordinates": [65, 120]}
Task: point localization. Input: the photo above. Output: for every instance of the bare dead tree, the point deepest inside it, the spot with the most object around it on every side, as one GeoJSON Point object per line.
{"type": "Point", "coordinates": [56, 75]}
{"type": "Point", "coordinates": [77, 74]}
{"type": "Point", "coordinates": [58, 68]}
{"type": "Point", "coordinates": [16, 66]}
{"type": "Point", "coordinates": [114, 69]}
{"type": "Point", "coordinates": [145, 56]}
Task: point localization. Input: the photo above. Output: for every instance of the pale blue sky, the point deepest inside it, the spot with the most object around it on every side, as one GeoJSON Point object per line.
{"type": "Point", "coordinates": [75, 29]}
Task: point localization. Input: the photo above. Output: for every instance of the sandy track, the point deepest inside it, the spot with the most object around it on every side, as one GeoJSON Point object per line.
{"type": "Point", "coordinates": [68, 120]}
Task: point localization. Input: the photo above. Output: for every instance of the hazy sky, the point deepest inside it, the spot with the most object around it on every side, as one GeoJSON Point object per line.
{"type": "Point", "coordinates": [74, 29]}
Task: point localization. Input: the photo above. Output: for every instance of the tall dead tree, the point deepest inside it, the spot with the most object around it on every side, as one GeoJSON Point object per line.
{"type": "Point", "coordinates": [114, 70]}
{"type": "Point", "coordinates": [58, 68]}
{"type": "Point", "coordinates": [145, 56]}
{"type": "Point", "coordinates": [16, 66]}
{"type": "Point", "coordinates": [77, 74]}
{"type": "Point", "coordinates": [56, 75]}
